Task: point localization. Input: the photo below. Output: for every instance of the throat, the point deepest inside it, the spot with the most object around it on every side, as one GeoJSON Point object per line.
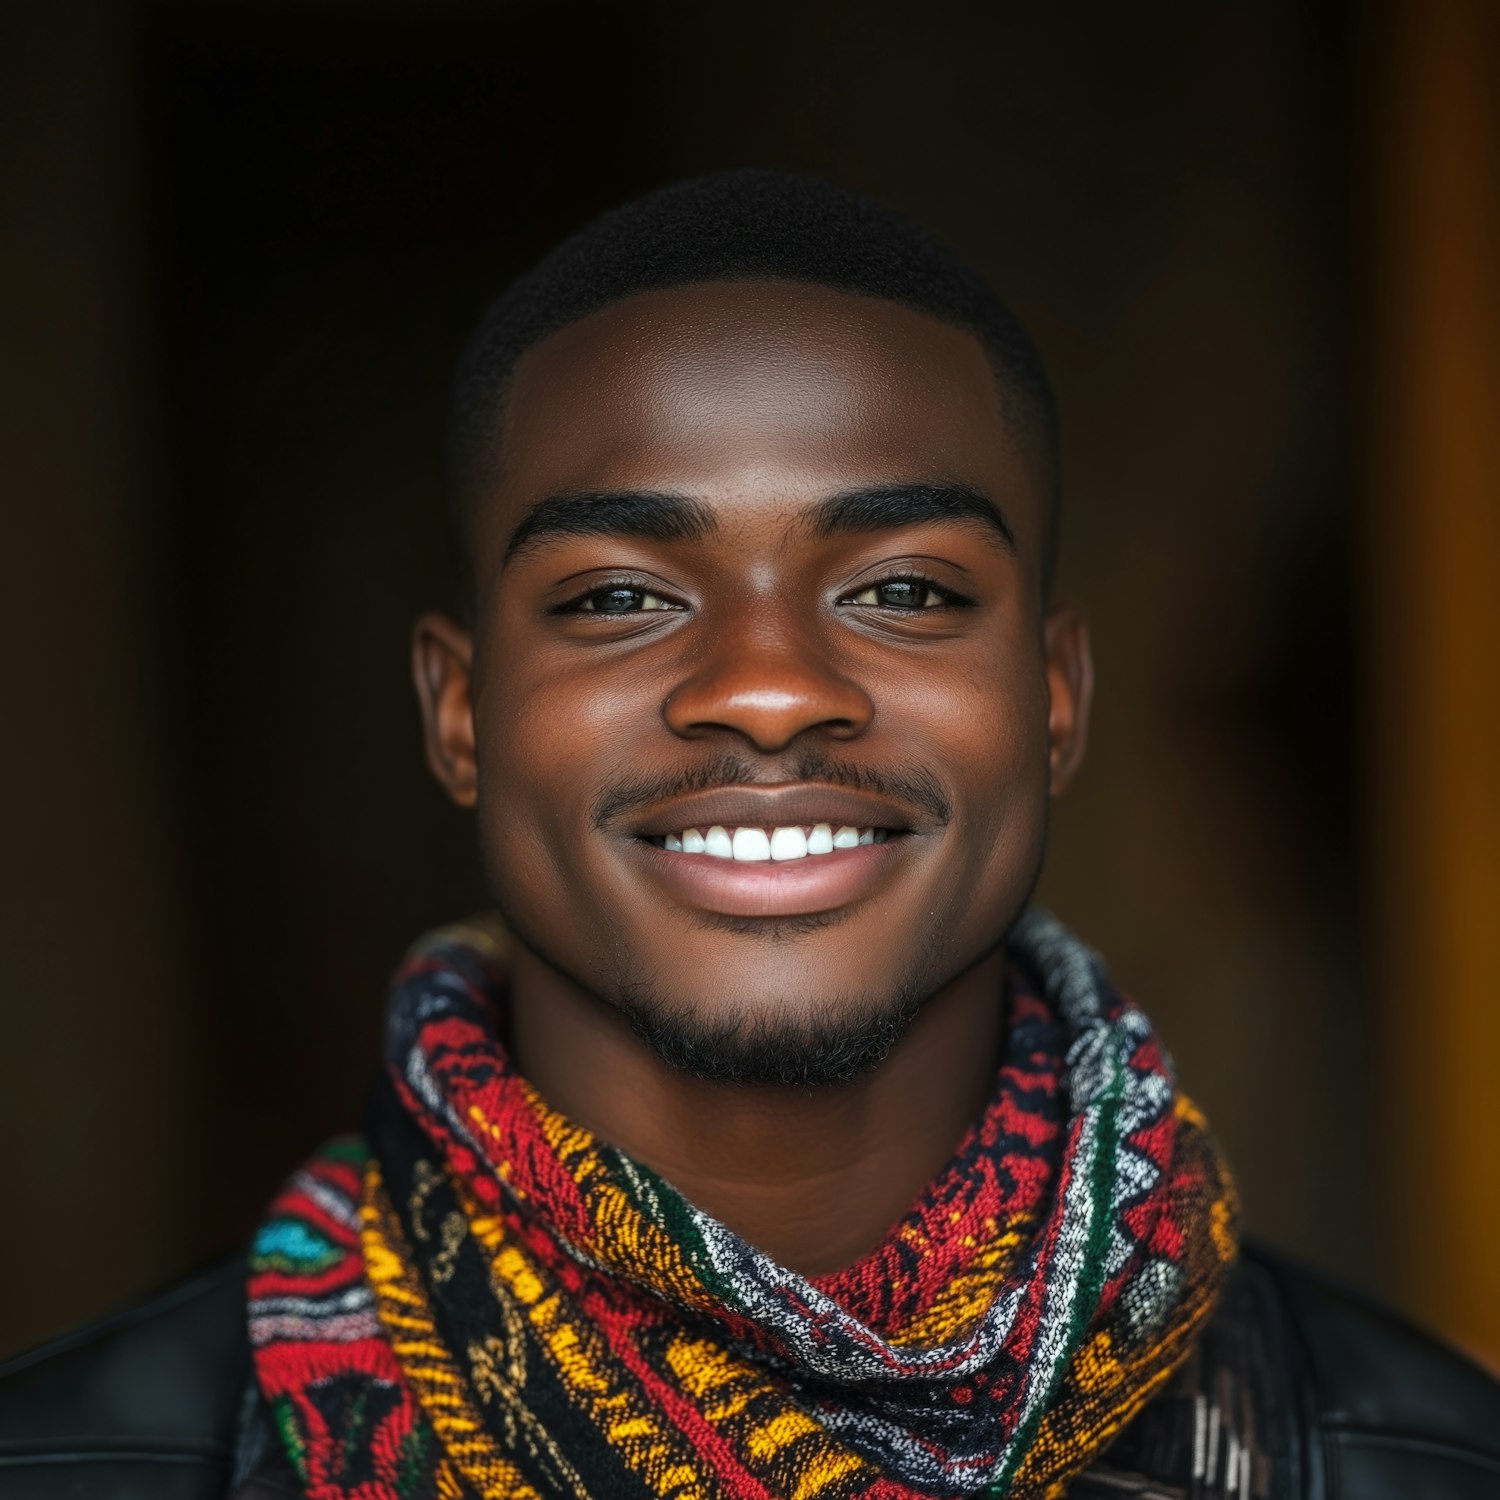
{"type": "Point", "coordinates": [813, 1211]}
{"type": "Point", "coordinates": [812, 1177]}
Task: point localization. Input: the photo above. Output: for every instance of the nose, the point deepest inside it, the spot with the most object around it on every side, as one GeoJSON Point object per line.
{"type": "Point", "coordinates": [767, 685]}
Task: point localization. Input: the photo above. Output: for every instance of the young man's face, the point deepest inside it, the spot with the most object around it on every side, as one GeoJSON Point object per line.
{"type": "Point", "coordinates": [745, 566]}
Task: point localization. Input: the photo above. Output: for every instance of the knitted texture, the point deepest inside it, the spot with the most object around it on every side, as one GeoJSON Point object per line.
{"type": "Point", "coordinates": [479, 1298]}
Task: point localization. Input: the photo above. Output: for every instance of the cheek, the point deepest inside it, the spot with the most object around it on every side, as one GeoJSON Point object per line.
{"type": "Point", "coordinates": [983, 732]}
{"type": "Point", "coordinates": [549, 738]}
{"type": "Point", "coordinates": [984, 725]}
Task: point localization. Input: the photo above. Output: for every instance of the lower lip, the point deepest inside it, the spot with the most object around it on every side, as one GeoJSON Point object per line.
{"type": "Point", "coordinates": [772, 888]}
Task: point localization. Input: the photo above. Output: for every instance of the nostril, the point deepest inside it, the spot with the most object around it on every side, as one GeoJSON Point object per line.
{"type": "Point", "coordinates": [769, 707]}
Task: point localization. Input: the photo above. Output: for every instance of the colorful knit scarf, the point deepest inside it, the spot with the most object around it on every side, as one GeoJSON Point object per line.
{"type": "Point", "coordinates": [481, 1299]}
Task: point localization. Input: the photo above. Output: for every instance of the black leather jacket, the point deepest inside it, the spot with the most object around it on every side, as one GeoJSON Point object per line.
{"type": "Point", "coordinates": [1298, 1391]}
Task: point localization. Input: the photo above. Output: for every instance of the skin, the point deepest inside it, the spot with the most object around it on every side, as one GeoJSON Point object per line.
{"type": "Point", "coordinates": [763, 660]}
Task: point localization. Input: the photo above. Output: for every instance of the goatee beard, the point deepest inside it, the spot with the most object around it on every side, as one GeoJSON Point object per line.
{"type": "Point", "coordinates": [779, 1050]}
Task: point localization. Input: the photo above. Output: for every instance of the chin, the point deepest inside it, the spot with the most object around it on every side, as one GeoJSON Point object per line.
{"type": "Point", "coordinates": [771, 1042]}
{"type": "Point", "coordinates": [773, 1046]}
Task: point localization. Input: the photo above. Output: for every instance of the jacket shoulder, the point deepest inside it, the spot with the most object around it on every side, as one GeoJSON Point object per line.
{"type": "Point", "coordinates": [1389, 1409]}
{"type": "Point", "coordinates": [1301, 1389]}
{"type": "Point", "coordinates": [142, 1402]}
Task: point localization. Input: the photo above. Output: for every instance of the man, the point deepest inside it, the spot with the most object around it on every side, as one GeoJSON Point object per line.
{"type": "Point", "coordinates": [774, 1146]}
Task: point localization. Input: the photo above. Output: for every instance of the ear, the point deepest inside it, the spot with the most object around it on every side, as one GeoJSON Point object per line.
{"type": "Point", "coordinates": [442, 656]}
{"type": "Point", "coordinates": [1070, 688]}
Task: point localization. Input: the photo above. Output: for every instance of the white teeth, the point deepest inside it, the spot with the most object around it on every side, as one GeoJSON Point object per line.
{"type": "Point", "coordinates": [756, 845]}
{"type": "Point", "coordinates": [751, 844]}
{"type": "Point", "coordinates": [787, 843]}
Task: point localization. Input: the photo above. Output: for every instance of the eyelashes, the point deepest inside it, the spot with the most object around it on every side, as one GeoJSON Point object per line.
{"type": "Point", "coordinates": [905, 593]}
{"type": "Point", "coordinates": [618, 598]}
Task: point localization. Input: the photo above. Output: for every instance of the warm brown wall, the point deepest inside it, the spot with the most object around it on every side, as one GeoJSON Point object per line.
{"type": "Point", "coordinates": [256, 233]}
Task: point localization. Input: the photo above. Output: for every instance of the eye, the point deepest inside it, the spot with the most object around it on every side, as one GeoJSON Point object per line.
{"type": "Point", "coordinates": [906, 593]}
{"type": "Point", "coordinates": [618, 599]}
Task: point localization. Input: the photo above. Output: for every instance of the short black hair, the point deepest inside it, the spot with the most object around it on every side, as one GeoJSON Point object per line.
{"type": "Point", "coordinates": [740, 226]}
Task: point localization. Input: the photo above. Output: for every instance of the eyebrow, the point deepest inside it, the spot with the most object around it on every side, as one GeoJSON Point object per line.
{"type": "Point", "coordinates": [661, 517]}
{"type": "Point", "coordinates": [639, 513]}
{"type": "Point", "coordinates": [891, 507]}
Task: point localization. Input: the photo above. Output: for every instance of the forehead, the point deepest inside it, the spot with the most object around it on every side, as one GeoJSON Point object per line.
{"type": "Point", "coordinates": [730, 389]}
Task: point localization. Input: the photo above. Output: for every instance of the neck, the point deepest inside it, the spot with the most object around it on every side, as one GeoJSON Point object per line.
{"type": "Point", "coordinates": [812, 1177]}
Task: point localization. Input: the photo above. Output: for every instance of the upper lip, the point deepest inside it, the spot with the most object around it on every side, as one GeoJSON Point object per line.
{"type": "Point", "coordinates": [803, 802]}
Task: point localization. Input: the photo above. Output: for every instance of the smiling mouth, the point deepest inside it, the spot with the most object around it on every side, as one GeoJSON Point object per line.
{"type": "Point", "coordinates": [774, 870]}
{"type": "Point", "coordinates": [755, 845]}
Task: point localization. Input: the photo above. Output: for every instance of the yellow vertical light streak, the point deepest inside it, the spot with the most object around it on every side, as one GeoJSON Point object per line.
{"type": "Point", "coordinates": [1432, 631]}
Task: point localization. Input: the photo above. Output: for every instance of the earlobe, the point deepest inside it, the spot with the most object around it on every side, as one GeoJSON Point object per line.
{"type": "Point", "coordinates": [1070, 687]}
{"type": "Point", "coordinates": [442, 655]}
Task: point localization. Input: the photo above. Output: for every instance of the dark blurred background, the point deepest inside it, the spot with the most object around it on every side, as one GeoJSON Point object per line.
{"type": "Point", "coordinates": [241, 243]}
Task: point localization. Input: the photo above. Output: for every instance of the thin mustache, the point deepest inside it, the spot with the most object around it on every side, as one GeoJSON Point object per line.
{"type": "Point", "coordinates": [915, 786]}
